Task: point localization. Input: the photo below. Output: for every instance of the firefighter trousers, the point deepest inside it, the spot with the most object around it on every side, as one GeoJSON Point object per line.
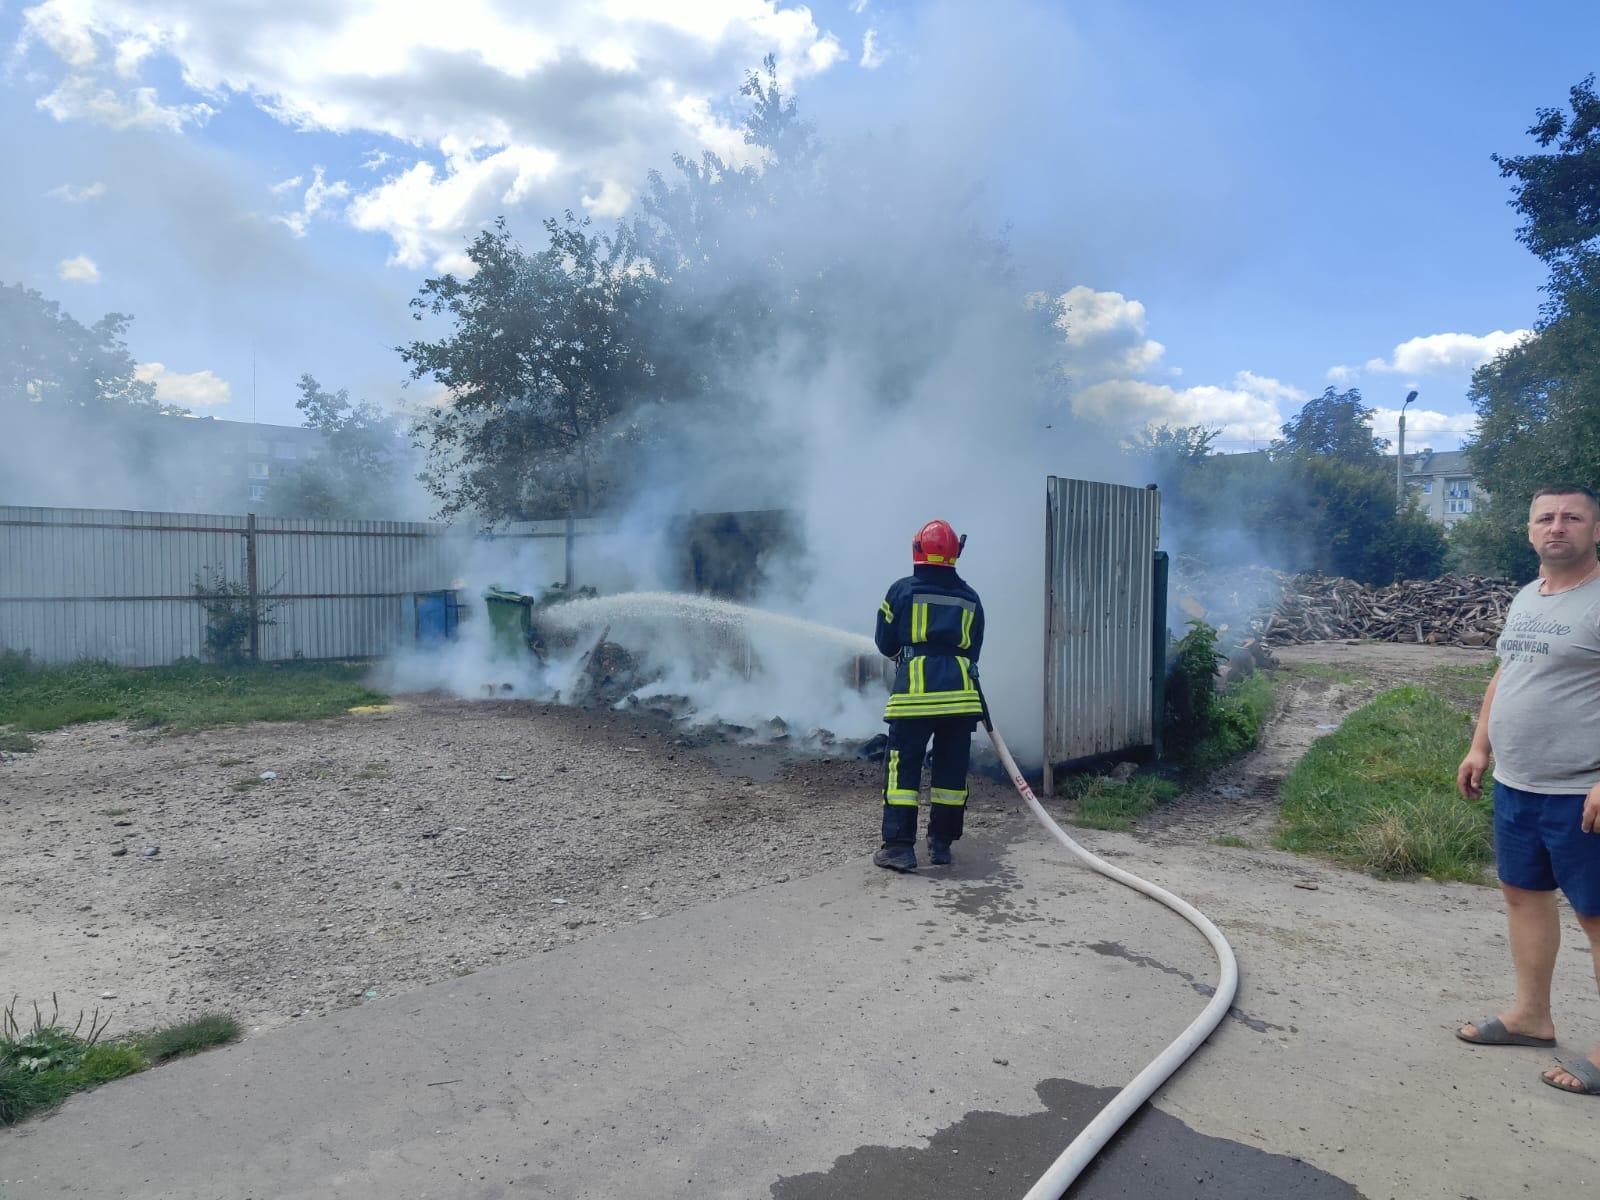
{"type": "Point", "coordinates": [903, 758]}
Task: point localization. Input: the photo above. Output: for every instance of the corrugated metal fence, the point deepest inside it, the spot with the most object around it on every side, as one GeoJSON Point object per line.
{"type": "Point", "coordinates": [120, 586]}
{"type": "Point", "coordinates": [1100, 542]}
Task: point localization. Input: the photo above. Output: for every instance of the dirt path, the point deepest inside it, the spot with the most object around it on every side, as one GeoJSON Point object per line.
{"type": "Point", "coordinates": [1318, 685]}
{"type": "Point", "coordinates": [388, 851]}
{"type": "Point", "coordinates": [405, 847]}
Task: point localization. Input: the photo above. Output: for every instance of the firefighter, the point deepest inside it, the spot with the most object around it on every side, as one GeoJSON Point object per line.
{"type": "Point", "coordinates": [932, 623]}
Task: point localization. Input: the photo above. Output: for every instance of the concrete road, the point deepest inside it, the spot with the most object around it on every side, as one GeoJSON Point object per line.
{"type": "Point", "coordinates": [865, 1035]}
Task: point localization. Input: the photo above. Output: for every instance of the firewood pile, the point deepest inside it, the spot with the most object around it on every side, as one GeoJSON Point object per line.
{"type": "Point", "coordinates": [1457, 610]}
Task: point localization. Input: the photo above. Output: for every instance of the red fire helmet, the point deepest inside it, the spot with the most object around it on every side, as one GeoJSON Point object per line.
{"type": "Point", "coordinates": [936, 543]}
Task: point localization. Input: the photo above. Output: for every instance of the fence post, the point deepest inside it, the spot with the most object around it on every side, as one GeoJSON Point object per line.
{"type": "Point", "coordinates": [251, 583]}
{"type": "Point", "coordinates": [572, 527]}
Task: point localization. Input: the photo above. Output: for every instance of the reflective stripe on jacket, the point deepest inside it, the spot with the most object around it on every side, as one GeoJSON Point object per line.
{"type": "Point", "coordinates": [932, 621]}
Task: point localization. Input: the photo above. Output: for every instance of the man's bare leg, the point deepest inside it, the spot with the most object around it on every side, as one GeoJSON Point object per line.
{"type": "Point", "coordinates": [1535, 931]}
{"type": "Point", "coordinates": [1591, 926]}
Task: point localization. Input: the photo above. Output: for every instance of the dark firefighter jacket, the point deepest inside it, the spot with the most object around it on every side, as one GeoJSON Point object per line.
{"type": "Point", "coordinates": [932, 621]}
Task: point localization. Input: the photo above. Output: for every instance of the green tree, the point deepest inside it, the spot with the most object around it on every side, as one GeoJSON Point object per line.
{"type": "Point", "coordinates": [548, 354]}
{"type": "Point", "coordinates": [48, 358]}
{"type": "Point", "coordinates": [1538, 404]}
{"type": "Point", "coordinates": [1172, 445]}
{"type": "Point", "coordinates": [1335, 425]}
{"type": "Point", "coordinates": [362, 465]}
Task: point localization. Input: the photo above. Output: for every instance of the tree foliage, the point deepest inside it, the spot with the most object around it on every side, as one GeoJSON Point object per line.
{"type": "Point", "coordinates": [358, 474]}
{"type": "Point", "coordinates": [547, 353]}
{"type": "Point", "coordinates": [48, 358]}
{"type": "Point", "coordinates": [1538, 404]}
{"type": "Point", "coordinates": [1336, 425]}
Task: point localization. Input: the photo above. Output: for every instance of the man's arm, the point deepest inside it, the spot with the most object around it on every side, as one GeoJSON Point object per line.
{"type": "Point", "coordinates": [1469, 775]}
{"type": "Point", "coordinates": [884, 633]}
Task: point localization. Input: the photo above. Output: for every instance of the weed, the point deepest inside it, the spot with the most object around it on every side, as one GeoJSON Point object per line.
{"type": "Point", "coordinates": [42, 1062]}
{"type": "Point", "coordinates": [1100, 802]}
{"type": "Point", "coordinates": [187, 1037]}
{"type": "Point", "coordinates": [244, 785]}
{"type": "Point", "coordinates": [115, 812]}
{"type": "Point", "coordinates": [1379, 793]}
{"type": "Point", "coordinates": [1233, 841]}
{"type": "Point", "coordinates": [16, 743]}
{"type": "Point", "coordinates": [233, 762]}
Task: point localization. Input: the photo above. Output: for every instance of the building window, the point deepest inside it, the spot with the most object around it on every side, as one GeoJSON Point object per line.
{"type": "Point", "coordinates": [1427, 487]}
{"type": "Point", "coordinates": [257, 493]}
{"type": "Point", "coordinates": [1458, 489]}
{"type": "Point", "coordinates": [258, 447]}
{"type": "Point", "coordinates": [1457, 506]}
{"type": "Point", "coordinates": [284, 450]}
{"type": "Point", "coordinates": [259, 470]}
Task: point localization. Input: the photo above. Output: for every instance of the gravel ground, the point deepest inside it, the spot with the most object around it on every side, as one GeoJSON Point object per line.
{"type": "Point", "coordinates": [391, 850]}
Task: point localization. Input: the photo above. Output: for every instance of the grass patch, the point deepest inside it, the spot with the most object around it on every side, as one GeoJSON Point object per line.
{"type": "Point", "coordinates": [1325, 671]}
{"type": "Point", "coordinates": [42, 1062]}
{"type": "Point", "coordinates": [188, 1037]}
{"type": "Point", "coordinates": [1231, 840]}
{"type": "Point", "coordinates": [115, 812]}
{"type": "Point", "coordinates": [233, 762]}
{"type": "Point", "coordinates": [1101, 802]}
{"type": "Point", "coordinates": [1379, 794]}
{"type": "Point", "coordinates": [185, 696]}
{"type": "Point", "coordinates": [15, 742]}
{"type": "Point", "coordinates": [1463, 686]}
{"type": "Point", "coordinates": [244, 785]}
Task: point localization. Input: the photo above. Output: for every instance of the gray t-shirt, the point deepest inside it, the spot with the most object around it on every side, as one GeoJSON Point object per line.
{"type": "Point", "coordinates": [1544, 724]}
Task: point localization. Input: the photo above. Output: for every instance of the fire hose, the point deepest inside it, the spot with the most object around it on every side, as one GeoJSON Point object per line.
{"type": "Point", "coordinates": [1083, 1148]}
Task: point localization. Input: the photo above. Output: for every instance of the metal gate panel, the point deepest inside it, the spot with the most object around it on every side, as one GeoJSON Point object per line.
{"type": "Point", "coordinates": [1100, 542]}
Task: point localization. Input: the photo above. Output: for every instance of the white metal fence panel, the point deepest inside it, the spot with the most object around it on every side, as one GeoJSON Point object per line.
{"type": "Point", "coordinates": [110, 584]}
{"type": "Point", "coordinates": [1100, 543]}
{"type": "Point", "coordinates": [120, 586]}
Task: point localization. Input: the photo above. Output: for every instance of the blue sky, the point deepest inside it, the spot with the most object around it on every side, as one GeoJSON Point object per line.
{"type": "Point", "coordinates": [1243, 202]}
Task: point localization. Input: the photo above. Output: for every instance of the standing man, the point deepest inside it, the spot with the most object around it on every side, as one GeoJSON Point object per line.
{"type": "Point", "coordinates": [932, 622]}
{"type": "Point", "coordinates": [1541, 722]}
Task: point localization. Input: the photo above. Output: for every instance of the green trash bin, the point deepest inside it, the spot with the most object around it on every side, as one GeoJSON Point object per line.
{"type": "Point", "coordinates": [510, 616]}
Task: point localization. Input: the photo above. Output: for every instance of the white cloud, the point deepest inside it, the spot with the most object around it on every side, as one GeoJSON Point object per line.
{"type": "Point", "coordinates": [72, 195]}
{"type": "Point", "coordinates": [375, 159]}
{"type": "Point", "coordinates": [78, 270]}
{"type": "Point", "coordinates": [317, 198]}
{"type": "Point", "coordinates": [1437, 353]}
{"type": "Point", "coordinates": [1421, 421]}
{"type": "Point", "coordinates": [1106, 335]}
{"type": "Point", "coordinates": [79, 99]}
{"type": "Point", "coordinates": [1248, 411]}
{"type": "Point", "coordinates": [871, 55]}
{"type": "Point", "coordinates": [194, 389]}
{"type": "Point", "coordinates": [558, 99]}
{"type": "Point", "coordinates": [425, 212]}
{"type": "Point", "coordinates": [286, 185]}
{"type": "Point", "coordinates": [612, 201]}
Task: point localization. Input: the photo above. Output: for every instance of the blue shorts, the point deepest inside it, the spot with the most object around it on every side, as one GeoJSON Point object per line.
{"type": "Point", "coordinates": [1540, 845]}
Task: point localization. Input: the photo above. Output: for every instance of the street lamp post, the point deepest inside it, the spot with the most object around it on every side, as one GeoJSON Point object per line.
{"type": "Point", "coordinates": [1400, 459]}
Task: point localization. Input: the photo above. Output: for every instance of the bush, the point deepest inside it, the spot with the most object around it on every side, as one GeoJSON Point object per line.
{"type": "Point", "coordinates": [1204, 728]}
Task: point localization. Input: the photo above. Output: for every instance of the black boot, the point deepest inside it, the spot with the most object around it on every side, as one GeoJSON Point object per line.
{"type": "Point", "coordinates": [938, 853]}
{"type": "Point", "coordinates": [896, 856]}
